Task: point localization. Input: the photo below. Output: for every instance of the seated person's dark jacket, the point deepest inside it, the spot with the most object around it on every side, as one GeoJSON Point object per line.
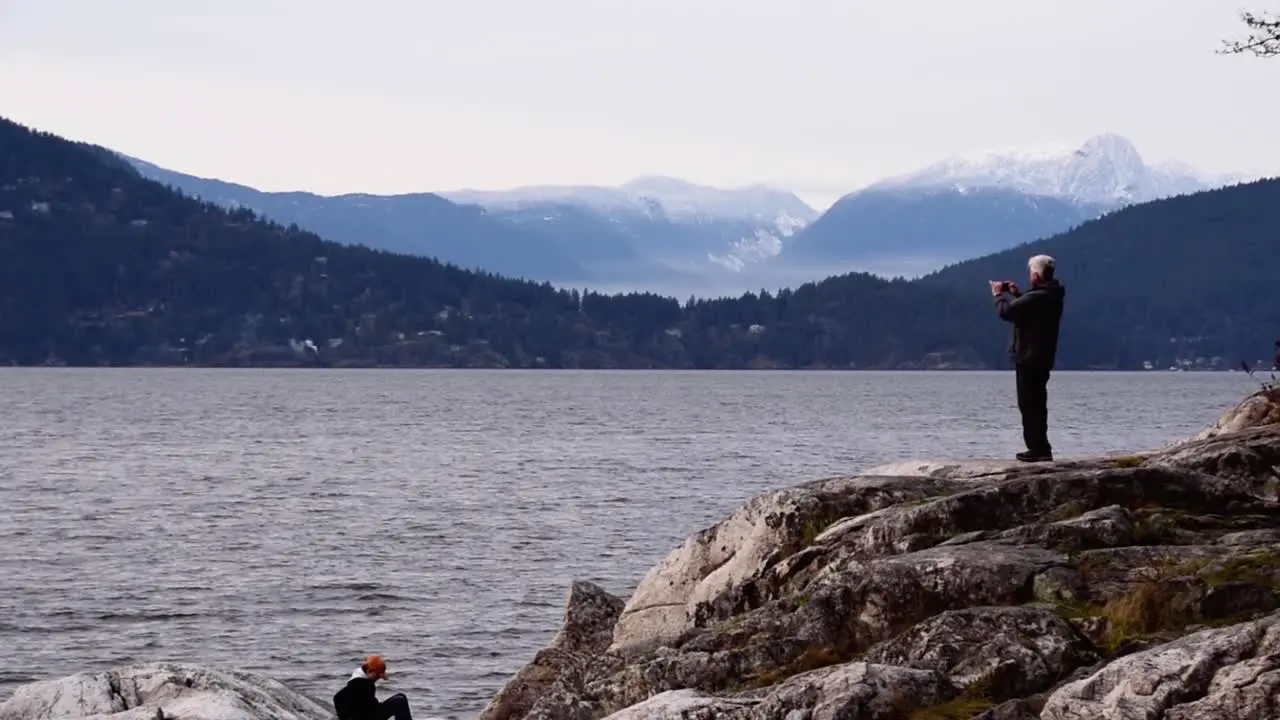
{"type": "Point", "coordinates": [357, 700]}
{"type": "Point", "coordinates": [1035, 315]}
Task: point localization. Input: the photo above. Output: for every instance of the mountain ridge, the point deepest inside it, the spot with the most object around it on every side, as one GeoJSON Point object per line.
{"type": "Point", "coordinates": [700, 229]}
{"type": "Point", "coordinates": [1206, 296]}
{"type": "Point", "coordinates": [931, 224]}
{"type": "Point", "coordinates": [970, 205]}
{"type": "Point", "coordinates": [653, 231]}
{"type": "Point", "coordinates": [659, 233]}
{"type": "Point", "coordinates": [101, 266]}
{"type": "Point", "coordinates": [680, 199]}
{"type": "Point", "coordinates": [435, 227]}
{"type": "Point", "coordinates": [1105, 169]}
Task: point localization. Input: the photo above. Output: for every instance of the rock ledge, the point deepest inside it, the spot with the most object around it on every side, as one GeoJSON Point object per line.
{"type": "Point", "coordinates": [1143, 586]}
{"type": "Point", "coordinates": [172, 691]}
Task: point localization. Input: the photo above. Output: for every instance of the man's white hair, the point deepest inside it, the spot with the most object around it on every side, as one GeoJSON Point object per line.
{"type": "Point", "coordinates": [1042, 265]}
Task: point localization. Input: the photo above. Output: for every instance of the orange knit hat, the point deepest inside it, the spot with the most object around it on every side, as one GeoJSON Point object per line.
{"type": "Point", "coordinates": [374, 664]}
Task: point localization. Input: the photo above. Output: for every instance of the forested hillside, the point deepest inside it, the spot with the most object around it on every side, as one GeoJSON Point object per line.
{"type": "Point", "coordinates": [1190, 277]}
{"type": "Point", "coordinates": [624, 236]}
{"type": "Point", "coordinates": [934, 223]}
{"type": "Point", "coordinates": [101, 266]}
{"type": "Point", "coordinates": [415, 224]}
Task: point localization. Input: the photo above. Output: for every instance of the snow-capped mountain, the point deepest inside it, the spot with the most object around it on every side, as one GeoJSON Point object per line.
{"type": "Point", "coordinates": [915, 229]}
{"type": "Point", "coordinates": [693, 227]}
{"type": "Point", "coordinates": [1106, 170]}
{"type": "Point", "coordinates": [679, 200]}
{"type": "Point", "coordinates": [652, 233]}
{"type": "Point", "coordinates": [967, 206]}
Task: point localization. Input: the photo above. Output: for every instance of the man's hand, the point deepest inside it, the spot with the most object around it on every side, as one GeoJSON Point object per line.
{"type": "Point", "coordinates": [995, 288]}
{"type": "Point", "coordinates": [1013, 288]}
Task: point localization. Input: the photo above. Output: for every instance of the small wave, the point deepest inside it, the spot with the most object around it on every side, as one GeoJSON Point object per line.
{"type": "Point", "coordinates": [10, 677]}
{"type": "Point", "coordinates": [349, 585]}
{"type": "Point", "coordinates": [364, 597]}
{"type": "Point", "coordinates": [65, 612]}
{"type": "Point", "coordinates": [55, 628]}
{"type": "Point", "coordinates": [325, 611]}
{"type": "Point", "coordinates": [104, 538]}
{"type": "Point", "coordinates": [537, 604]}
{"type": "Point", "coordinates": [158, 616]}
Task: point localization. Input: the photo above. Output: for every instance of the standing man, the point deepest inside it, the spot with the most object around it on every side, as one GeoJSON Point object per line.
{"type": "Point", "coordinates": [358, 701]}
{"type": "Point", "coordinates": [1035, 316]}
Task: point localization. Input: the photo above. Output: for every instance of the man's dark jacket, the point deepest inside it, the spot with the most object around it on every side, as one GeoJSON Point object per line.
{"type": "Point", "coordinates": [1035, 315]}
{"type": "Point", "coordinates": [357, 700]}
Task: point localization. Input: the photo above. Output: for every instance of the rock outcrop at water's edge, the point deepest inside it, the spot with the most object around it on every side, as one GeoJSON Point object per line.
{"type": "Point", "coordinates": [168, 691]}
{"type": "Point", "coordinates": [590, 615]}
{"type": "Point", "coordinates": [1145, 586]}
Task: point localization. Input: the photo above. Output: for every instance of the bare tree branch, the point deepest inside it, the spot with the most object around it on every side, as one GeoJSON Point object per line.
{"type": "Point", "coordinates": [1263, 41]}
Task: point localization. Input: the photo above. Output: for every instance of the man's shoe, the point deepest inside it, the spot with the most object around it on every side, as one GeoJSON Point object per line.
{"type": "Point", "coordinates": [1029, 456]}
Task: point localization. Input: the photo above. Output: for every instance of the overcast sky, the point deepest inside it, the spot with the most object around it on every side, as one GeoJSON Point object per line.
{"type": "Point", "coordinates": [819, 96]}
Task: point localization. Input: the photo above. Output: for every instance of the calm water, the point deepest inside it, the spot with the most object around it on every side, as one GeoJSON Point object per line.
{"type": "Point", "coordinates": [292, 521]}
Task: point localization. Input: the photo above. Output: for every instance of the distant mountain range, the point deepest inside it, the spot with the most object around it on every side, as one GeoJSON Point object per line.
{"type": "Point", "coordinates": [668, 220]}
{"type": "Point", "coordinates": [1106, 171]}
{"type": "Point", "coordinates": [100, 266]}
{"type": "Point", "coordinates": [671, 236]}
{"type": "Point", "coordinates": [678, 200]}
{"type": "Point", "coordinates": [655, 233]}
{"type": "Point", "coordinates": [650, 231]}
{"type": "Point", "coordinates": [419, 224]}
{"type": "Point", "coordinates": [963, 207]}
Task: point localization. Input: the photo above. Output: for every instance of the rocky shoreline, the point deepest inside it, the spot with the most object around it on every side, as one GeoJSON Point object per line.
{"type": "Point", "coordinates": [1145, 586]}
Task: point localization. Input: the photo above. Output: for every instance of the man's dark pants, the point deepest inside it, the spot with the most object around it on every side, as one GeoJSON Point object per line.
{"type": "Point", "coordinates": [396, 706]}
{"type": "Point", "coordinates": [1033, 403]}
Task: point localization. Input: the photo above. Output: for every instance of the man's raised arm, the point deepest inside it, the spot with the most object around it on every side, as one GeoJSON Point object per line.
{"type": "Point", "coordinates": [1012, 309]}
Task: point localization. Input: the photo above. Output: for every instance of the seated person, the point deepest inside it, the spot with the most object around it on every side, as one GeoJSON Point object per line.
{"type": "Point", "coordinates": [358, 701]}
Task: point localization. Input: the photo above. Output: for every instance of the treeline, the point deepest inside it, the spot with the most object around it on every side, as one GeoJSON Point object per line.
{"type": "Point", "coordinates": [99, 266]}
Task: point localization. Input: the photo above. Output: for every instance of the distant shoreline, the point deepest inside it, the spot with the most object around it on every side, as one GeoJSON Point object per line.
{"type": "Point", "coordinates": [306, 367]}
